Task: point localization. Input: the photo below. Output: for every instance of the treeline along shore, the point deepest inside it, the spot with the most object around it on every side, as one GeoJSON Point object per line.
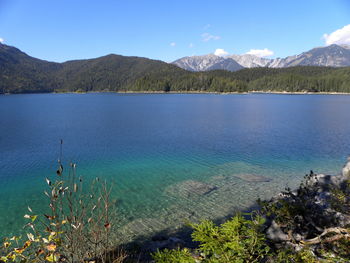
{"type": "Point", "coordinates": [20, 73]}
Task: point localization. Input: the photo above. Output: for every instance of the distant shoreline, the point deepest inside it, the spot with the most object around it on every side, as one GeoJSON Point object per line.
{"type": "Point", "coordinates": [189, 92]}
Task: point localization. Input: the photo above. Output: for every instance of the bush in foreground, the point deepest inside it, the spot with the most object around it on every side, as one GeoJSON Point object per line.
{"type": "Point", "coordinates": [76, 226]}
{"type": "Point", "coordinates": [236, 240]}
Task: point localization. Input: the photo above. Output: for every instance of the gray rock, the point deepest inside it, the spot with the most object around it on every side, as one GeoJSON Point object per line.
{"type": "Point", "coordinates": [275, 233]}
{"type": "Point", "coordinates": [342, 219]}
{"type": "Point", "coordinates": [325, 182]}
{"type": "Point", "coordinates": [298, 237]}
{"type": "Point", "coordinates": [346, 170]}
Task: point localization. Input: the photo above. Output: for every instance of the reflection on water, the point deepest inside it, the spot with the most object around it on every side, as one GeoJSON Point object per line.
{"type": "Point", "coordinates": [172, 157]}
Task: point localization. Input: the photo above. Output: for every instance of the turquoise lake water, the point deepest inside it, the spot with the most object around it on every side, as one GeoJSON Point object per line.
{"type": "Point", "coordinates": [153, 146]}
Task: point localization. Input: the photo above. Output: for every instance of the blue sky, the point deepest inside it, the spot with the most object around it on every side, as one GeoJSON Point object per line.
{"type": "Point", "coordinates": [60, 30]}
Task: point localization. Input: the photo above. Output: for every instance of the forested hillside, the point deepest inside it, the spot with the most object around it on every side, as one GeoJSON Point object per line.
{"type": "Point", "coordinates": [20, 73]}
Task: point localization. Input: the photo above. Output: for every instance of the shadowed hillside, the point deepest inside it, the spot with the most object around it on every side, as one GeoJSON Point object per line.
{"type": "Point", "coordinates": [20, 73]}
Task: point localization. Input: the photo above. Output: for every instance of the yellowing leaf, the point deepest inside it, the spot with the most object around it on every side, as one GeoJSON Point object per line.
{"type": "Point", "coordinates": [51, 247]}
{"type": "Point", "coordinates": [11, 256]}
{"type": "Point", "coordinates": [52, 257]}
{"type": "Point", "coordinates": [49, 217]}
{"type": "Point", "coordinates": [7, 244]}
{"type": "Point", "coordinates": [52, 236]}
{"type": "Point", "coordinates": [19, 250]}
{"type": "Point", "coordinates": [30, 236]}
{"type": "Point", "coordinates": [27, 244]}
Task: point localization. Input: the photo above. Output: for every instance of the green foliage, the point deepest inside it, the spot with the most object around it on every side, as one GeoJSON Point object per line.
{"type": "Point", "coordinates": [337, 251]}
{"type": "Point", "coordinates": [340, 198]}
{"type": "Point", "coordinates": [237, 240]}
{"type": "Point", "coordinates": [173, 256]}
{"type": "Point", "coordinates": [289, 256]}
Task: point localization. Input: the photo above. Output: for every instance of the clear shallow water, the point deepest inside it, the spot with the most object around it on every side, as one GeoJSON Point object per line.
{"type": "Point", "coordinates": [152, 145]}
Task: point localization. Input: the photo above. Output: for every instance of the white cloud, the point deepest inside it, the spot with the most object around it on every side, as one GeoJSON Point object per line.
{"type": "Point", "coordinates": [207, 37]}
{"type": "Point", "coordinates": [340, 36]}
{"type": "Point", "coordinates": [173, 44]}
{"type": "Point", "coordinates": [207, 26]}
{"type": "Point", "coordinates": [2, 40]}
{"type": "Point", "coordinates": [220, 52]}
{"type": "Point", "coordinates": [191, 45]}
{"type": "Point", "coordinates": [260, 52]}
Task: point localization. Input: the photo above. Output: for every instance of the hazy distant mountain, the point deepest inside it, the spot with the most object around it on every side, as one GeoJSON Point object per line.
{"type": "Point", "coordinates": [250, 61]}
{"type": "Point", "coordinates": [198, 63]}
{"type": "Point", "coordinates": [207, 62]}
{"type": "Point", "coordinates": [330, 56]}
{"type": "Point", "coordinates": [226, 64]}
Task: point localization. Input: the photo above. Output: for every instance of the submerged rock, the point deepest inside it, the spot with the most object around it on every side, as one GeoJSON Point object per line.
{"type": "Point", "coordinates": [252, 177]}
{"type": "Point", "coordinates": [190, 188]}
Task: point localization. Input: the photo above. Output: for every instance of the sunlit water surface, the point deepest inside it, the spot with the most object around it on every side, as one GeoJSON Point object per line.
{"type": "Point", "coordinates": [155, 147]}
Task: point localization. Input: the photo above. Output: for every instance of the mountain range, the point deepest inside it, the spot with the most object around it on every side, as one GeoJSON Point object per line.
{"type": "Point", "coordinates": [21, 73]}
{"type": "Point", "coordinates": [329, 56]}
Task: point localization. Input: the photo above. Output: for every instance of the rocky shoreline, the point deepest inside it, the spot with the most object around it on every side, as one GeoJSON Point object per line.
{"type": "Point", "coordinates": [320, 206]}
{"type": "Point", "coordinates": [311, 216]}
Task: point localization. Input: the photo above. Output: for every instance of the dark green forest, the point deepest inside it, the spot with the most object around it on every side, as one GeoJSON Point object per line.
{"type": "Point", "coordinates": [20, 73]}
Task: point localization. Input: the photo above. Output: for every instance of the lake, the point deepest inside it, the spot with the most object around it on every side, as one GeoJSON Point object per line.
{"type": "Point", "coordinates": [170, 157]}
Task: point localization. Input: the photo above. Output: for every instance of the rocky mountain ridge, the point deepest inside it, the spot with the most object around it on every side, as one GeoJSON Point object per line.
{"type": "Point", "coordinates": [329, 56]}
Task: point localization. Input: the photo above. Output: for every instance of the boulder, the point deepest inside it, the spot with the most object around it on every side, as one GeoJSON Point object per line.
{"type": "Point", "coordinates": [275, 233]}
{"type": "Point", "coordinates": [346, 170]}
{"type": "Point", "coordinates": [324, 182]}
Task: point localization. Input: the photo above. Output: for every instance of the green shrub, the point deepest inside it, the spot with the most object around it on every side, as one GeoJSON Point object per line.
{"type": "Point", "coordinates": [174, 256]}
{"type": "Point", "coordinates": [290, 256]}
{"type": "Point", "coordinates": [237, 240]}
